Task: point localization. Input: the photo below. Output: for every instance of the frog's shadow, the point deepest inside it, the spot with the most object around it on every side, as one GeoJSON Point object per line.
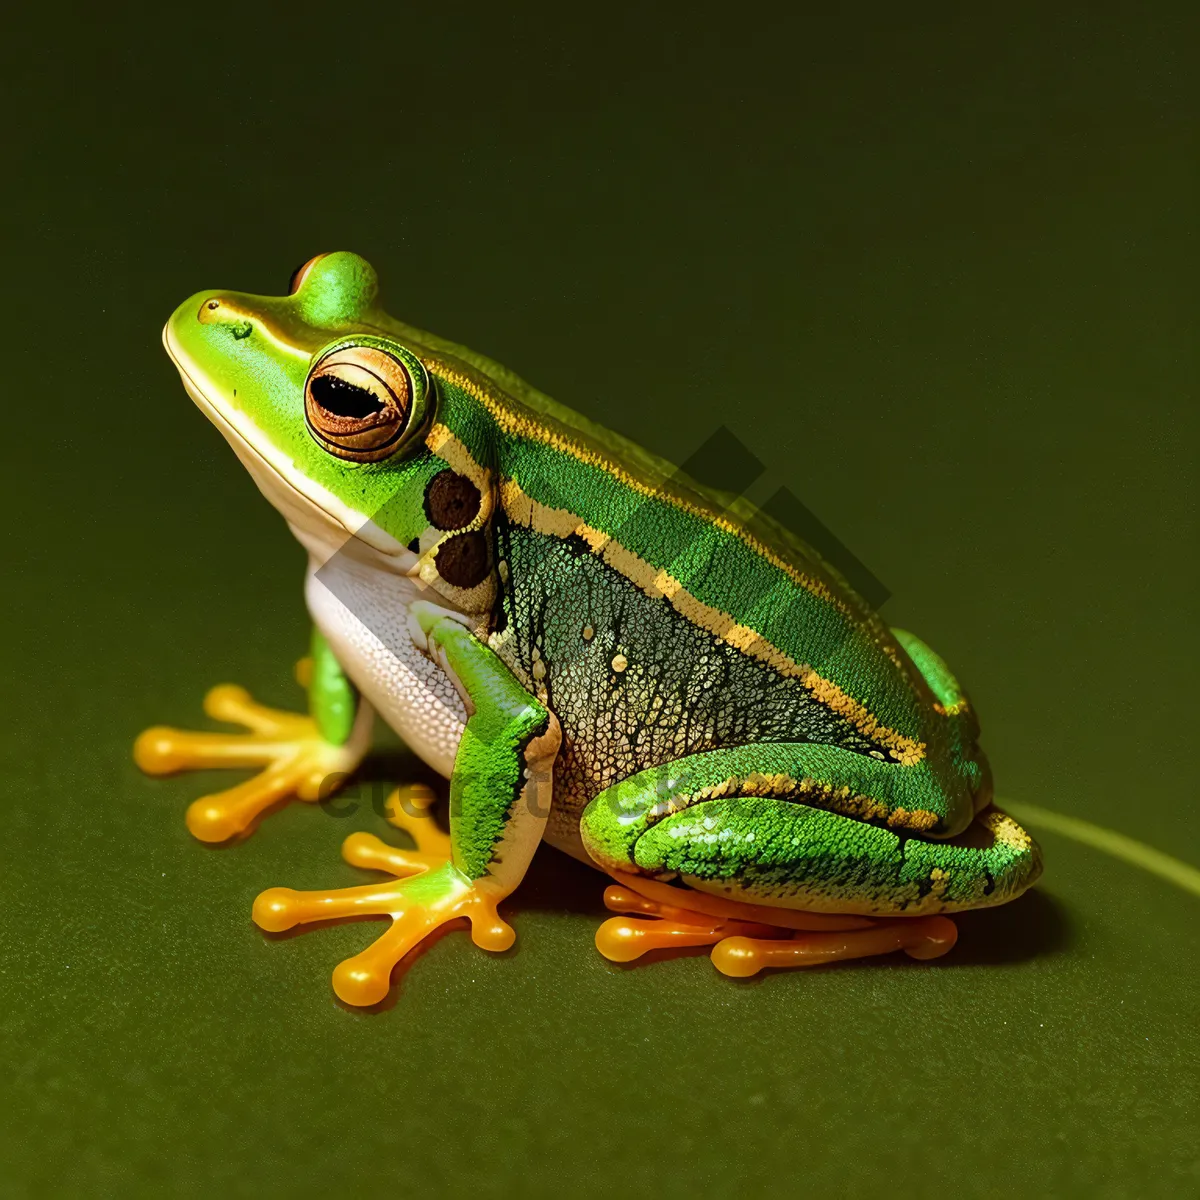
{"type": "Point", "coordinates": [1036, 925]}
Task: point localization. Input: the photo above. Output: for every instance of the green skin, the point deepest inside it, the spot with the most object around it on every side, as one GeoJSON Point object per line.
{"type": "Point", "coordinates": [734, 716]}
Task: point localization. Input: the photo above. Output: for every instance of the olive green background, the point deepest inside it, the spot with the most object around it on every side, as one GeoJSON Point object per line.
{"type": "Point", "coordinates": [936, 271]}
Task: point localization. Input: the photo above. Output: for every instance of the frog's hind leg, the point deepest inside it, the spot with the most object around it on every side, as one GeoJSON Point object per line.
{"type": "Point", "coordinates": [299, 755]}
{"type": "Point", "coordinates": [829, 886]}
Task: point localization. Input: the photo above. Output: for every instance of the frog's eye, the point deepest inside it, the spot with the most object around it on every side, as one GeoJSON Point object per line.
{"type": "Point", "coordinates": [357, 402]}
{"type": "Point", "coordinates": [296, 282]}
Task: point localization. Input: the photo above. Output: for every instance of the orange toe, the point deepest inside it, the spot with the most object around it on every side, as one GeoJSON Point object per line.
{"type": "Point", "coordinates": [924, 938]}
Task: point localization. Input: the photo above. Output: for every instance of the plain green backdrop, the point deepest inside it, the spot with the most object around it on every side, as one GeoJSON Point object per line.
{"type": "Point", "coordinates": [935, 267]}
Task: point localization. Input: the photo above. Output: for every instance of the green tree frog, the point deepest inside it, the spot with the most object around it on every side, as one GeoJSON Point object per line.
{"type": "Point", "coordinates": [594, 650]}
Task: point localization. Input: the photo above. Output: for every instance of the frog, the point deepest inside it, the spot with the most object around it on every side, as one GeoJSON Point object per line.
{"type": "Point", "coordinates": [595, 650]}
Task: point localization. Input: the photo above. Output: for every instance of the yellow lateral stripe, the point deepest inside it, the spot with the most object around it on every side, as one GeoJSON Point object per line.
{"type": "Point", "coordinates": [442, 442]}
{"type": "Point", "coordinates": [559, 523]}
{"type": "Point", "coordinates": [527, 427]}
{"type": "Point", "coordinates": [1174, 871]}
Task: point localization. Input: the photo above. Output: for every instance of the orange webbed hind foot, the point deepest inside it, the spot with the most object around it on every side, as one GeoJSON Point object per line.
{"type": "Point", "coordinates": [652, 925]}
{"type": "Point", "coordinates": [747, 938]}
{"type": "Point", "coordinates": [918, 937]}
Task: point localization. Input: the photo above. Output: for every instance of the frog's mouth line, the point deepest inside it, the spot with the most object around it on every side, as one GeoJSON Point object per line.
{"type": "Point", "coordinates": [265, 463]}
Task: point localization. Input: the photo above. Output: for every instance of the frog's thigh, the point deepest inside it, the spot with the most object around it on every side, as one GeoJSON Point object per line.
{"type": "Point", "coordinates": [780, 852]}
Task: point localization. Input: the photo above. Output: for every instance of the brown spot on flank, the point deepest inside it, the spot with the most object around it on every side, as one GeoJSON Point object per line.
{"type": "Point", "coordinates": [463, 560]}
{"type": "Point", "coordinates": [451, 500]}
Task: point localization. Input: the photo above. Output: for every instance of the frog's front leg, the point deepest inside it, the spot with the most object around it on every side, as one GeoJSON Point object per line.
{"type": "Point", "coordinates": [772, 881]}
{"type": "Point", "coordinates": [500, 793]}
{"type": "Point", "coordinates": [302, 756]}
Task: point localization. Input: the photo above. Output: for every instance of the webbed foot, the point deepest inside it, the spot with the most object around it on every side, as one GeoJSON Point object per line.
{"type": "Point", "coordinates": [296, 759]}
{"type": "Point", "coordinates": [429, 892]}
{"type": "Point", "coordinates": [919, 937]}
{"type": "Point", "coordinates": [747, 938]}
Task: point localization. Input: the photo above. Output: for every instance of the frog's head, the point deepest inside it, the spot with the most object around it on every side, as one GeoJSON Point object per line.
{"type": "Point", "coordinates": [325, 408]}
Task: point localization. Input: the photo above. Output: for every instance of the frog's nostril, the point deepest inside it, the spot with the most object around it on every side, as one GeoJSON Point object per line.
{"type": "Point", "coordinates": [210, 311]}
{"type": "Point", "coordinates": [216, 311]}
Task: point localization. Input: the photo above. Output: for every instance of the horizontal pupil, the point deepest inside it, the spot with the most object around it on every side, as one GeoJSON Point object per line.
{"type": "Point", "coordinates": [344, 399]}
